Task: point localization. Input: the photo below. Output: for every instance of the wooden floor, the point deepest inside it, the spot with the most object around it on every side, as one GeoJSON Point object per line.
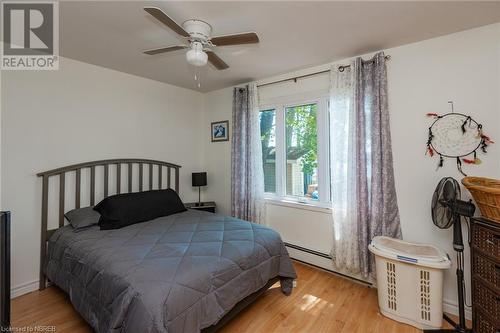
{"type": "Point", "coordinates": [321, 302]}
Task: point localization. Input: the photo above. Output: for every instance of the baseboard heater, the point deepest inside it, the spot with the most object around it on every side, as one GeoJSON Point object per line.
{"type": "Point", "coordinates": [5, 271]}
{"type": "Point", "coordinates": [323, 255]}
{"type": "Point", "coordinates": [303, 249]}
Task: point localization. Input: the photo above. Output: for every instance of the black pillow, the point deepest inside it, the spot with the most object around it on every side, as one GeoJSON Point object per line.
{"type": "Point", "coordinates": [121, 210]}
{"type": "Point", "coordinates": [82, 218]}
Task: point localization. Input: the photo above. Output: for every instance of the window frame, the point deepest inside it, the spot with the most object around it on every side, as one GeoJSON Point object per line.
{"type": "Point", "coordinates": [279, 105]}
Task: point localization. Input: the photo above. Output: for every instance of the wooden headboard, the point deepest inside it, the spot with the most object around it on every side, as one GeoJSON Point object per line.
{"type": "Point", "coordinates": [77, 169]}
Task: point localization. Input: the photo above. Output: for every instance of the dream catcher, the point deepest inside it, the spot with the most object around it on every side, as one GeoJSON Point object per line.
{"type": "Point", "coordinates": [457, 136]}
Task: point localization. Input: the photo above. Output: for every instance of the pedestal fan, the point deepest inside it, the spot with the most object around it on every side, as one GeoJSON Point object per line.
{"type": "Point", "coordinates": [447, 210]}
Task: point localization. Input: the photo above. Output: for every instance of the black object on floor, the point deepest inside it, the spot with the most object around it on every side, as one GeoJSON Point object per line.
{"type": "Point", "coordinates": [5, 271]}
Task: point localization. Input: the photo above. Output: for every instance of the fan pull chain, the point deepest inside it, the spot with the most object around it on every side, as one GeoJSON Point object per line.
{"type": "Point", "coordinates": [197, 79]}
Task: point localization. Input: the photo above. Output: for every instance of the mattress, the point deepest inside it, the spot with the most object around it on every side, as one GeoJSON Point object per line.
{"type": "Point", "coordinates": [179, 273]}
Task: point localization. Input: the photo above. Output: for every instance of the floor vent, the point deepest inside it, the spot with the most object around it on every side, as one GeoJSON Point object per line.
{"type": "Point", "coordinates": [391, 286]}
{"type": "Point", "coordinates": [425, 295]}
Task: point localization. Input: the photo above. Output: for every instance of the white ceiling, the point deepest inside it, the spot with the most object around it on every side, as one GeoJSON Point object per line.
{"type": "Point", "coordinates": [293, 35]}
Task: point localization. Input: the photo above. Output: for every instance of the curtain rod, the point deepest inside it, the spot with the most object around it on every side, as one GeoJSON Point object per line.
{"type": "Point", "coordinates": [340, 68]}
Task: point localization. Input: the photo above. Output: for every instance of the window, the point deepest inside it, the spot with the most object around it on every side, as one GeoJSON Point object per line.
{"type": "Point", "coordinates": [301, 146]}
{"type": "Point", "coordinates": [294, 138]}
{"type": "Point", "coordinates": [268, 140]}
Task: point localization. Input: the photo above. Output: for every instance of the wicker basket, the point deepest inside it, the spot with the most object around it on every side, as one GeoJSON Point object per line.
{"type": "Point", "coordinates": [486, 193]}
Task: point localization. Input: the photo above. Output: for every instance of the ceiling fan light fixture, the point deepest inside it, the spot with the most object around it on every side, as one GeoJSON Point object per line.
{"type": "Point", "coordinates": [199, 34]}
{"type": "Point", "coordinates": [196, 56]}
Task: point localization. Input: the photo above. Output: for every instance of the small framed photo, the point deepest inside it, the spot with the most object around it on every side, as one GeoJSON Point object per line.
{"type": "Point", "coordinates": [220, 131]}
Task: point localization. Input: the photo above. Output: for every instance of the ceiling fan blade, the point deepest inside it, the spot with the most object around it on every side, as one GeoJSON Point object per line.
{"type": "Point", "coordinates": [165, 49]}
{"type": "Point", "coordinates": [236, 39]}
{"type": "Point", "coordinates": [216, 61]}
{"type": "Point", "coordinates": [160, 15]}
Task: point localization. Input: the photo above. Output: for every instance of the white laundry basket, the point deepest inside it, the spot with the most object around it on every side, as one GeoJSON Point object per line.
{"type": "Point", "coordinates": [410, 281]}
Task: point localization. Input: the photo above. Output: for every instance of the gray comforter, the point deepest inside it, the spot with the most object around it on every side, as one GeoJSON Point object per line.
{"type": "Point", "coordinates": [179, 273]}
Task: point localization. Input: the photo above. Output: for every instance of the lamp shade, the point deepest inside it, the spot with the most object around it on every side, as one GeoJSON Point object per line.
{"type": "Point", "coordinates": [199, 179]}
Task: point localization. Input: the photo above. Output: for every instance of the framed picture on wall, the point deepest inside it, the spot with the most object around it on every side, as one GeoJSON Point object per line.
{"type": "Point", "coordinates": [220, 131]}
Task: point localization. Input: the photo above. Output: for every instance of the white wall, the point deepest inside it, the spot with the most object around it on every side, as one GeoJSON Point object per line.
{"type": "Point", "coordinates": [217, 155]}
{"type": "Point", "coordinates": [463, 68]}
{"type": "Point", "coordinates": [423, 77]}
{"type": "Point", "coordinates": [82, 113]}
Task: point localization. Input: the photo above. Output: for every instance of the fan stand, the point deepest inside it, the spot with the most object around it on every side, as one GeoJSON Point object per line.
{"type": "Point", "coordinates": [458, 246]}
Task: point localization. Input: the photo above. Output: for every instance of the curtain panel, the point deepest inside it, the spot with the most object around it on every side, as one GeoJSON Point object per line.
{"type": "Point", "coordinates": [247, 174]}
{"type": "Point", "coordinates": [362, 176]}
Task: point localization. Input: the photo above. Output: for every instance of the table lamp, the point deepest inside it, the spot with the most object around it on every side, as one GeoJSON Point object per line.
{"type": "Point", "coordinates": [199, 179]}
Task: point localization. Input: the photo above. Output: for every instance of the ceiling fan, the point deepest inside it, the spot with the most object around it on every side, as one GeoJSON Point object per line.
{"type": "Point", "coordinates": [198, 35]}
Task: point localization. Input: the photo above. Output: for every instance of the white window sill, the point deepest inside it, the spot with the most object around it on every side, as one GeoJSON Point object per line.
{"type": "Point", "coordinates": [315, 207]}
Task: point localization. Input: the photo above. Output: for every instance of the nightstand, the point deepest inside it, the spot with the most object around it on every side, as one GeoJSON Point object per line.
{"type": "Point", "coordinates": [208, 206]}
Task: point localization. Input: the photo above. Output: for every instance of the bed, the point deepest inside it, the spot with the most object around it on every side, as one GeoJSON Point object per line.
{"type": "Point", "coordinates": [187, 272]}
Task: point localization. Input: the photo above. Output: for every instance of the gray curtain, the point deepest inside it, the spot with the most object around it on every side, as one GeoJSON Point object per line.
{"type": "Point", "coordinates": [363, 189]}
{"type": "Point", "coordinates": [247, 174]}
{"type": "Point", "coordinates": [379, 191]}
